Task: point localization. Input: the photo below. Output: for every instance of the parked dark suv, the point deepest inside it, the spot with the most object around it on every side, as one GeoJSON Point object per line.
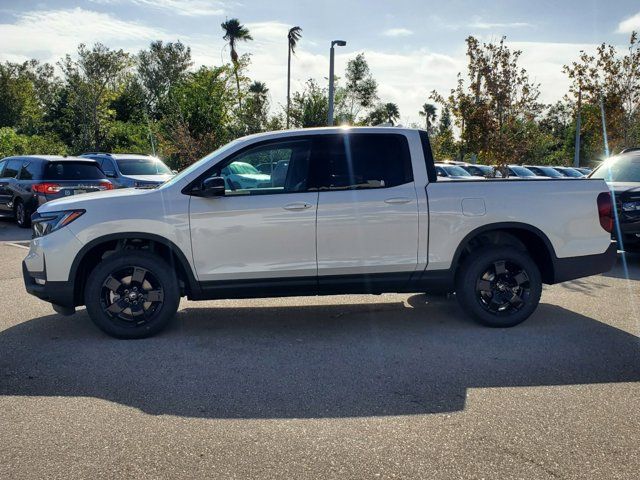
{"type": "Point", "coordinates": [622, 174]}
{"type": "Point", "coordinates": [26, 182]}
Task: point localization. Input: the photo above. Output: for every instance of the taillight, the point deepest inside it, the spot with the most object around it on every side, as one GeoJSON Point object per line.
{"type": "Point", "coordinates": [106, 184]}
{"type": "Point", "coordinates": [605, 211]}
{"type": "Point", "coordinates": [46, 188]}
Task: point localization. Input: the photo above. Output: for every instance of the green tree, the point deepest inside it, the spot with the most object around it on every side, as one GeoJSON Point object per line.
{"type": "Point", "coordinates": [293, 37]}
{"type": "Point", "coordinates": [383, 113]}
{"type": "Point", "coordinates": [255, 116]}
{"type": "Point", "coordinates": [160, 67]}
{"type": "Point", "coordinates": [92, 83]}
{"type": "Point", "coordinates": [359, 93]}
{"type": "Point", "coordinates": [491, 108]}
{"type": "Point", "coordinates": [199, 117]}
{"type": "Point", "coordinates": [429, 113]}
{"type": "Point", "coordinates": [14, 143]}
{"type": "Point", "coordinates": [235, 32]}
{"type": "Point", "coordinates": [310, 107]}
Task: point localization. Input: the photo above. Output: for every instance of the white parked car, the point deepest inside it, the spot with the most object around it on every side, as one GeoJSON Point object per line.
{"type": "Point", "coordinates": [360, 210]}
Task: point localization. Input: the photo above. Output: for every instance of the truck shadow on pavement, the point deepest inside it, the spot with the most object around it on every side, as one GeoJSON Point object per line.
{"type": "Point", "coordinates": [312, 361]}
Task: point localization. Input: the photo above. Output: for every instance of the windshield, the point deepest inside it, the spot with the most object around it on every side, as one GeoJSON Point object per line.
{"type": "Point", "coordinates": [521, 172]}
{"type": "Point", "coordinates": [624, 168]}
{"type": "Point", "coordinates": [550, 172]}
{"type": "Point", "coordinates": [570, 172]}
{"type": "Point", "coordinates": [456, 171]}
{"type": "Point", "coordinates": [142, 166]}
{"type": "Point", "coordinates": [199, 163]}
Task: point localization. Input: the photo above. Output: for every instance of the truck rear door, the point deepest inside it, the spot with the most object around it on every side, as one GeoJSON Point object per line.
{"type": "Point", "coordinates": [367, 220]}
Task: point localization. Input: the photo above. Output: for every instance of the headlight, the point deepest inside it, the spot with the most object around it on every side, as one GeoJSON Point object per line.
{"type": "Point", "coordinates": [44, 223]}
{"type": "Point", "coordinates": [631, 206]}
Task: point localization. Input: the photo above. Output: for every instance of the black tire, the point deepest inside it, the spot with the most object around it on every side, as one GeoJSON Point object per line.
{"type": "Point", "coordinates": [22, 214]}
{"type": "Point", "coordinates": [499, 286]}
{"type": "Point", "coordinates": [132, 294]}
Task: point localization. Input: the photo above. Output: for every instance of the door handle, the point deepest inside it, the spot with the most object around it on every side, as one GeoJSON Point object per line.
{"type": "Point", "coordinates": [397, 200]}
{"type": "Point", "coordinates": [297, 206]}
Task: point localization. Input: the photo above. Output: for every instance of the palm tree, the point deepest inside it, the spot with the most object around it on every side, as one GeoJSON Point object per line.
{"type": "Point", "coordinates": [391, 112]}
{"type": "Point", "coordinates": [259, 91]}
{"type": "Point", "coordinates": [293, 36]}
{"type": "Point", "coordinates": [235, 32]}
{"type": "Point", "coordinates": [429, 113]}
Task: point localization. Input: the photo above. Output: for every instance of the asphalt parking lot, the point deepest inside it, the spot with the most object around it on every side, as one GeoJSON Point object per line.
{"type": "Point", "coordinates": [390, 386]}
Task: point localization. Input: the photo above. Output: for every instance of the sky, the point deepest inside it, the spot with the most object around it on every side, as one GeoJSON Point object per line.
{"type": "Point", "coordinates": [412, 46]}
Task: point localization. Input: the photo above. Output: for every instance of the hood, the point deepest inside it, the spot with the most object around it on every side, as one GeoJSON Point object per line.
{"type": "Point", "coordinates": [150, 178]}
{"type": "Point", "coordinates": [86, 199]}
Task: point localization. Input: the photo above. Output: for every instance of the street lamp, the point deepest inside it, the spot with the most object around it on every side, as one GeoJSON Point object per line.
{"type": "Point", "coordinates": [340, 43]}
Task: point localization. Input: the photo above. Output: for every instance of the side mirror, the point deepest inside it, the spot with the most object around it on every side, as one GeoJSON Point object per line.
{"type": "Point", "coordinates": [211, 187]}
{"type": "Point", "coordinates": [175, 172]}
{"type": "Point", "coordinates": [110, 173]}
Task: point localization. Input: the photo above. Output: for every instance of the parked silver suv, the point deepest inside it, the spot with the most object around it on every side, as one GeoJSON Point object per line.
{"type": "Point", "coordinates": [132, 170]}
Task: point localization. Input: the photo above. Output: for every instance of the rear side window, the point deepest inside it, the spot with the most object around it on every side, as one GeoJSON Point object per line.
{"type": "Point", "coordinates": [2, 164]}
{"type": "Point", "coordinates": [31, 170]}
{"type": "Point", "coordinates": [362, 161]}
{"type": "Point", "coordinates": [73, 171]}
{"type": "Point", "coordinates": [11, 169]}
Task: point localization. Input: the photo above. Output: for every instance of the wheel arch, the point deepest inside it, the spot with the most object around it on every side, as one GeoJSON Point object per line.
{"type": "Point", "coordinates": [94, 251]}
{"type": "Point", "coordinates": [521, 235]}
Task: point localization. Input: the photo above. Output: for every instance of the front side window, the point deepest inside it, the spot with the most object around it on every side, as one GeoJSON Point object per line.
{"type": "Point", "coordinates": [276, 167]}
{"type": "Point", "coordinates": [363, 161]}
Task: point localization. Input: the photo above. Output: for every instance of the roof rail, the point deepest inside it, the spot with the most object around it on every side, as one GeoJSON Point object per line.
{"type": "Point", "coordinates": [96, 153]}
{"type": "Point", "coordinates": [630, 149]}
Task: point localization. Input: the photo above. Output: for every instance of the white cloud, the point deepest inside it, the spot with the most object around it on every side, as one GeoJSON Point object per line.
{"type": "Point", "coordinates": [630, 24]}
{"type": "Point", "coordinates": [481, 25]}
{"type": "Point", "coordinates": [188, 8]}
{"type": "Point", "coordinates": [397, 32]}
{"type": "Point", "coordinates": [48, 35]}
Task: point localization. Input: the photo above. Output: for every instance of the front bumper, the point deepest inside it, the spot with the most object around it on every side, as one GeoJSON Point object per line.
{"type": "Point", "coordinates": [570, 268]}
{"type": "Point", "coordinates": [58, 293]}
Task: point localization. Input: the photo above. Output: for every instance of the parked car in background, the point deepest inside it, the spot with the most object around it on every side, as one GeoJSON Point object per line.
{"type": "Point", "coordinates": [518, 171]}
{"type": "Point", "coordinates": [242, 175]}
{"type": "Point", "coordinates": [454, 172]}
{"type": "Point", "coordinates": [486, 171]}
{"type": "Point", "coordinates": [544, 171]}
{"type": "Point", "coordinates": [622, 174]}
{"type": "Point", "coordinates": [584, 170]}
{"type": "Point", "coordinates": [569, 172]}
{"type": "Point", "coordinates": [26, 182]}
{"type": "Point", "coordinates": [127, 170]}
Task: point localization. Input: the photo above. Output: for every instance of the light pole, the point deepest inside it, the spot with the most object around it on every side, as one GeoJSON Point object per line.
{"type": "Point", "coordinates": [340, 43]}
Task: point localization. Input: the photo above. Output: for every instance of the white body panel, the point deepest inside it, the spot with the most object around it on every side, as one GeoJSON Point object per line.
{"type": "Point", "coordinates": [564, 210]}
{"type": "Point", "coordinates": [368, 231]}
{"type": "Point", "coordinates": [257, 236]}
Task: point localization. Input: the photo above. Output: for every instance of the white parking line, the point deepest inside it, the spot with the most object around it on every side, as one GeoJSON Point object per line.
{"type": "Point", "coordinates": [26, 247]}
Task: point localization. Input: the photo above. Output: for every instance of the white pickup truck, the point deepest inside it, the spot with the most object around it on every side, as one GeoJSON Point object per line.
{"type": "Point", "coordinates": [343, 210]}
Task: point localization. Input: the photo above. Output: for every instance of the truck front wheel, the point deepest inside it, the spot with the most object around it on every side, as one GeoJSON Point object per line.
{"type": "Point", "coordinates": [499, 286]}
{"type": "Point", "coordinates": [132, 294]}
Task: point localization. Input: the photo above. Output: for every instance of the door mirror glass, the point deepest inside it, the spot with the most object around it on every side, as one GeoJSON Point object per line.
{"type": "Point", "coordinates": [212, 187]}
{"type": "Point", "coordinates": [110, 173]}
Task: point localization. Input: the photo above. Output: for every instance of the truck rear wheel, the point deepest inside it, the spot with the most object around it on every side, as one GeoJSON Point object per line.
{"type": "Point", "coordinates": [132, 294]}
{"type": "Point", "coordinates": [499, 286]}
